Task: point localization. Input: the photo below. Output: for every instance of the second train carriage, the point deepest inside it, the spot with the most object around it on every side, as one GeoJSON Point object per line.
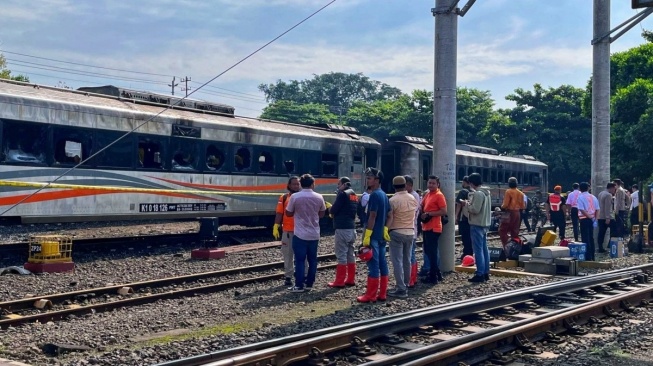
{"type": "Point", "coordinates": [186, 162]}
{"type": "Point", "coordinates": [414, 156]}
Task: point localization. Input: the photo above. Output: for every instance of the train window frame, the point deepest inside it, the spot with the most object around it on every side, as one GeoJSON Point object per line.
{"type": "Point", "coordinates": [12, 135]}
{"type": "Point", "coordinates": [123, 148]}
{"type": "Point", "coordinates": [246, 159]}
{"type": "Point", "coordinates": [181, 146]}
{"type": "Point", "coordinates": [460, 173]}
{"type": "Point", "coordinates": [309, 162]}
{"type": "Point", "coordinates": [268, 154]}
{"type": "Point", "coordinates": [329, 165]}
{"type": "Point", "coordinates": [494, 174]}
{"type": "Point", "coordinates": [290, 157]}
{"type": "Point", "coordinates": [224, 166]}
{"type": "Point", "coordinates": [152, 141]}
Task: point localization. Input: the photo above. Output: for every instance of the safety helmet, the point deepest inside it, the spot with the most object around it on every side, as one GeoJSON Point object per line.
{"type": "Point", "coordinates": [468, 261]}
{"type": "Point", "coordinates": [365, 254]}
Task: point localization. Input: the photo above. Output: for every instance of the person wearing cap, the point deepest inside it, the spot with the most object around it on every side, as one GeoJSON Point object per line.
{"type": "Point", "coordinates": [413, 259]}
{"type": "Point", "coordinates": [572, 208]}
{"type": "Point", "coordinates": [375, 236]}
{"type": "Point", "coordinates": [479, 206]}
{"type": "Point", "coordinates": [555, 210]}
{"type": "Point", "coordinates": [344, 223]}
{"type": "Point", "coordinates": [400, 222]}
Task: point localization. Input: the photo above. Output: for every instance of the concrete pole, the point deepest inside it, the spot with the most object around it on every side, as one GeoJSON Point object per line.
{"type": "Point", "coordinates": [601, 98]}
{"type": "Point", "coordinates": [444, 120]}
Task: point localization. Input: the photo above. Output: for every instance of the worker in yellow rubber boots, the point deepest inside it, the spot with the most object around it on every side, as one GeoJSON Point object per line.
{"type": "Point", "coordinates": [376, 236]}
{"type": "Point", "coordinates": [283, 229]}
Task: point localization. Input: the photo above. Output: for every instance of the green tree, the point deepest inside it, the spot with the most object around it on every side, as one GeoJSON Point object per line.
{"type": "Point", "coordinates": [474, 110]}
{"type": "Point", "coordinates": [6, 73]}
{"type": "Point", "coordinates": [290, 111]}
{"type": "Point", "coordinates": [333, 89]}
{"type": "Point", "coordinates": [547, 124]}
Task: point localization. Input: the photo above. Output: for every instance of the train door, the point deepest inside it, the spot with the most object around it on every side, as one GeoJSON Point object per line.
{"type": "Point", "coordinates": [390, 168]}
{"type": "Point", "coordinates": [356, 173]}
{"type": "Point", "coordinates": [427, 165]}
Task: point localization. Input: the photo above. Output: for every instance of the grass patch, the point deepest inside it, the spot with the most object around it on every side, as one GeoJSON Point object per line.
{"type": "Point", "coordinates": [198, 333]}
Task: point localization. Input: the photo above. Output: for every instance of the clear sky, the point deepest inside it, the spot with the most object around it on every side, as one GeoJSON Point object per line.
{"type": "Point", "coordinates": [502, 45]}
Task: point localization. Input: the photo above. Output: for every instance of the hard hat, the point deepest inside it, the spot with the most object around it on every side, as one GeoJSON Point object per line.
{"type": "Point", "coordinates": [365, 254]}
{"type": "Point", "coordinates": [468, 261]}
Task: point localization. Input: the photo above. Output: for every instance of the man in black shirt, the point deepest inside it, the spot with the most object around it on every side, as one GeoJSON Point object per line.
{"type": "Point", "coordinates": [462, 219]}
{"type": "Point", "coordinates": [343, 212]}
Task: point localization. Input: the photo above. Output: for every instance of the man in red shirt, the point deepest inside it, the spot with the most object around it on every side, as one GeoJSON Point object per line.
{"type": "Point", "coordinates": [434, 206]}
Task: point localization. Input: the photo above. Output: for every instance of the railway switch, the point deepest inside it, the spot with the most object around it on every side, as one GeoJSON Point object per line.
{"type": "Point", "coordinates": [208, 235]}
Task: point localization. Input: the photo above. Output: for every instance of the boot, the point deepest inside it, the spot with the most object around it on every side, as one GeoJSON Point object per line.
{"type": "Point", "coordinates": [351, 274]}
{"type": "Point", "coordinates": [383, 288]}
{"type": "Point", "coordinates": [370, 293]}
{"type": "Point", "coordinates": [341, 273]}
{"type": "Point", "coordinates": [413, 275]}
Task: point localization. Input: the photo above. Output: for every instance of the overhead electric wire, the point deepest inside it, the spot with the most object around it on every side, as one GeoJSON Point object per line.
{"type": "Point", "coordinates": [170, 106]}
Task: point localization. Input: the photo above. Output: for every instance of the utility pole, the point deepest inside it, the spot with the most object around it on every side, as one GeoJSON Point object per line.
{"type": "Point", "coordinates": [185, 81]}
{"type": "Point", "coordinates": [601, 96]}
{"type": "Point", "coordinates": [173, 85]}
{"type": "Point", "coordinates": [444, 119]}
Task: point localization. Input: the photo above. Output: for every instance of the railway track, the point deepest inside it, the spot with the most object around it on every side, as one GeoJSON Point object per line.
{"type": "Point", "coordinates": [58, 306]}
{"type": "Point", "coordinates": [466, 332]}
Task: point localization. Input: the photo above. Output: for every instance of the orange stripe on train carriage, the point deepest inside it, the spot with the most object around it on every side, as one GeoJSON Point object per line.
{"type": "Point", "coordinates": [266, 187]}
{"type": "Point", "coordinates": [73, 193]}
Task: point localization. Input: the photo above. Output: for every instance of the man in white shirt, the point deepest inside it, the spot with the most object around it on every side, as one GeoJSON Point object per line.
{"type": "Point", "coordinates": [634, 206]}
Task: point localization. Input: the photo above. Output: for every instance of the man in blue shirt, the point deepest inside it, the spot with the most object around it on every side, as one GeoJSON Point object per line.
{"type": "Point", "coordinates": [376, 235]}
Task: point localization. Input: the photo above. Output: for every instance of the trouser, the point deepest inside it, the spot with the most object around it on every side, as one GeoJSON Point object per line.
{"type": "Point", "coordinates": [634, 216]}
{"type": "Point", "coordinates": [574, 222]}
{"type": "Point", "coordinates": [587, 235]}
{"type": "Point", "coordinates": [465, 235]}
{"type": "Point", "coordinates": [344, 245]}
{"type": "Point", "coordinates": [525, 215]}
{"type": "Point", "coordinates": [400, 248]}
{"type": "Point", "coordinates": [620, 224]}
{"type": "Point", "coordinates": [287, 253]}
{"type": "Point", "coordinates": [558, 221]}
{"type": "Point", "coordinates": [431, 250]}
{"type": "Point", "coordinates": [413, 249]}
{"type": "Point", "coordinates": [377, 266]}
{"type": "Point", "coordinates": [603, 228]}
{"type": "Point", "coordinates": [481, 252]}
{"type": "Point", "coordinates": [305, 250]}
{"type": "Point", "coordinates": [510, 229]}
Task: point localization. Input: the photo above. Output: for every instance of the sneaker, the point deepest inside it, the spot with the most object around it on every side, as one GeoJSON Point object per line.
{"type": "Point", "coordinates": [398, 293]}
{"type": "Point", "coordinates": [477, 279]}
{"type": "Point", "coordinates": [288, 282]}
{"type": "Point", "coordinates": [296, 289]}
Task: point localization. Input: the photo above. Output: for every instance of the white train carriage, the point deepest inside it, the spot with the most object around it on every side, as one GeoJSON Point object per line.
{"type": "Point", "coordinates": [190, 161]}
{"type": "Point", "coordinates": [414, 156]}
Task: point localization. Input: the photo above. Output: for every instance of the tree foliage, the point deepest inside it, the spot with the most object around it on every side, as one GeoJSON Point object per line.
{"type": "Point", "coordinates": [547, 124]}
{"type": "Point", "coordinates": [334, 89]}
{"type": "Point", "coordinates": [6, 73]}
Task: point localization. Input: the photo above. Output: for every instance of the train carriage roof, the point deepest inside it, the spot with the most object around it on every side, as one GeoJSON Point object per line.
{"type": "Point", "coordinates": [24, 94]}
{"type": "Point", "coordinates": [466, 150]}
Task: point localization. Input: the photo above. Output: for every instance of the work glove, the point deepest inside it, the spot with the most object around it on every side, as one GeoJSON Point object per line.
{"type": "Point", "coordinates": [367, 237]}
{"type": "Point", "coordinates": [386, 234]}
{"type": "Point", "coordinates": [275, 231]}
{"type": "Point", "coordinates": [328, 205]}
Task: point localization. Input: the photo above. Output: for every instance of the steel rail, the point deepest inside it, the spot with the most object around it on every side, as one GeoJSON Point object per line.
{"type": "Point", "coordinates": [446, 352]}
{"type": "Point", "coordinates": [340, 337]}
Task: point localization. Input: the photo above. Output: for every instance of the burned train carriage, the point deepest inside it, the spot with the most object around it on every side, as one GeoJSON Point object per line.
{"type": "Point", "coordinates": [414, 156]}
{"type": "Point", "coordinates": [192, 160]}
